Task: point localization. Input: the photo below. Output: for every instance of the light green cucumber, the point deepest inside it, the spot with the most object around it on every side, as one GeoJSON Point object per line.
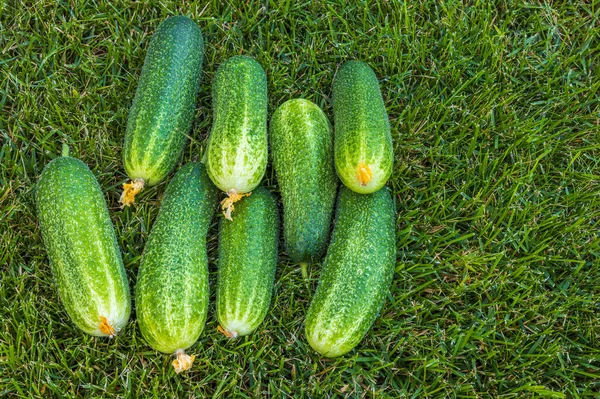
{"type": "Point", "coordinates": [172, 287]}
{"type": "Point", "coordinates": [302, 150]}
{"type": "Point", "coordinates": [364, 154]}
{"type": "Point", "coordinates": [236, 157]}
{"type": "Point", "coordinates": [163, 108]}
{"type": "Point", "coordinates": [82, 247]}
{"type": "Point", "coordinates": [357, 272]}
{"type": "Point", "coordinates": [247, 262]}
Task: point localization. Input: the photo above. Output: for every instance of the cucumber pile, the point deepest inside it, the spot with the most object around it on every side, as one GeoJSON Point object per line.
{"type": "Point", "coordinates": [309, 158]}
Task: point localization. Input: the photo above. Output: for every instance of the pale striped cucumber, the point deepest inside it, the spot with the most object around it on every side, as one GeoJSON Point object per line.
{"type": "Point", "coordinates": [302, 149]}
{"type": "Point", "coordinates": [163, 108]}
{"type": "Point", "coordinates": [247, 262]}
{"type": "Point", "coordinates": [364, 154]}
{"type": "Point", "coordinates": [236, 157]}
{"type": "Point", "coordinates": [357, 272]}
{"type": "Point", "coordinates": [82, 247]}
{"type": "Point", "coordinates": [172, 288]}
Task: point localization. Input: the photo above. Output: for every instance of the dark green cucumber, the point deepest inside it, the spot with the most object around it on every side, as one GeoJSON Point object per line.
{"type": "Point", "coordinates": [364, 154]}
{"type": "Point", "coordinates": [302, 148]}
{"type": "Point", "coordinates": [247, 262]}
{"type": "Point", "coordinates": [357, 272]}
{"type": "Point", "coordinates": [82, 247]}
{"type": "Point", "coordinates": [163, 108]}
{"type": "Point", "coordinates": [172, 287]}
{"type": "Point", "coordinates": [236, 157]}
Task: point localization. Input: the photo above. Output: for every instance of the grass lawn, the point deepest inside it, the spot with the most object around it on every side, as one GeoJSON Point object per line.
{"type": "Point", "coordinates": [495, 114]}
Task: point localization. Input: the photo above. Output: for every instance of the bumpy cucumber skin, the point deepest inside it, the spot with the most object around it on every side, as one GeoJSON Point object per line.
{"type": "Point", "coordinates": [163, 108]}
{"type": "Point", "coordinates": [247, 262]}
{"type": "Point", "coordinates": [236, 156]}
{"type": "Point", "coordinates": [362, 127]}
{"type": "Point", "coordinates": [81, 244]}
{"type": "Point", "coordinates": [302, 150]}
{"type": "Point", "coordinates": [172, 288]}
{"type": "Point", "coordinates": [357, 272]}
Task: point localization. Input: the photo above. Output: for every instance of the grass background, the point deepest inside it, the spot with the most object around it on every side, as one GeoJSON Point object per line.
{"type": "Point", "coordinates": [494, 109]}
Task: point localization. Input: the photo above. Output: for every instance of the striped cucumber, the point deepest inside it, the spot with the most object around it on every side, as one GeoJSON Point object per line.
{"type": "Point", "coordinates": [163, 108]}
{"type": "Point", "coordinates": [236, 157]}
{"type": "Point", "coordinates": [357, 272]}
{"type": "Point", "coordinates": [247, 262]}
{"type": "Point", "coordinates": [363, 143]}
{"type": "Point", "coordinates": [172, 288]}
{"type": "Point", "coordinates": [82, 247]}
{"type": "Point", "coordinates": [302, 148]}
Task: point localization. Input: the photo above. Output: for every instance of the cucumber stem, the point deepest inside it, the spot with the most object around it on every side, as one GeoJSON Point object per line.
{"type": "Point", "coordinates": [130, 190]}
{"type": "Point", "coordinates": [183, 362]}
{"type": "Point", "coordinates": [304, 269]}
{"type": "Point", "coordinates": [364, 173]}
{"type": "Point", "coordinates": [106, 327]}
{"type": "Point", "coordinates": [227, 203]}
{"type": "Point", "coordinates": [227, 333]}
{"type": "Point", "coordinates": [65, 150]}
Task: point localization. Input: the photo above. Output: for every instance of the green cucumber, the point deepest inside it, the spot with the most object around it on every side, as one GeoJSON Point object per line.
{"type": "Point", "coordinates": [81, 244]}
{"type": "Point", "coordinates": [363, 143]}
{"type": "Point", "coordinates": [247, 262]}
{"type": "Point", "coordinates": [172, 288]}
{"type": "Point", "coordinates": [236, 157]}
{"type": "Point", "coordinates": [357, 272]}
{"type": "Point", "coordinates": [302, 148]}
{"type": "Point", "coordinates": [163, 108]}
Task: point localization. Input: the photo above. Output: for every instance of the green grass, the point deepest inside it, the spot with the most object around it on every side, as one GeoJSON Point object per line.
{"type": "Point", "coordinates": [495, 114]}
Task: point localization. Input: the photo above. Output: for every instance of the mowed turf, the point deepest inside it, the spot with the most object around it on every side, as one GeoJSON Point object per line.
{"type": "Point", "coordinates": [495, 119]}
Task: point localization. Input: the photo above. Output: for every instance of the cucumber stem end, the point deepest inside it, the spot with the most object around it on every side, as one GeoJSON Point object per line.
{"type": "Point", "coordinates": [227, 204]}
{"type": "Point", "coordinates": [304, 269]}
{"type": "Point", "coordinates": [130, 190]}
{"type": "Point", "coordinates": [183, 362]}
{"type": "Point", "coordinates": [106, 327]}
{"type": "Point", "coordinates": [227, 333]}
{"type": "Point", "coordinates": [364, 173]}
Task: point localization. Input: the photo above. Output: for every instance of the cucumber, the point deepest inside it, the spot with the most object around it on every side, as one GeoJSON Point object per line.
{"type": "Point", "coordinates": [302, 149]}
{"type": "Point", "coordinates": [163, 108]}
{"type": "Point", "coordinates": [357, 272]}
{"type": "Point", "coordinates": [236, 157]}
{"type": "Point", "coordinates": [82, 247]}
{"type": "Point", "coordinates": [172, 288]}
{"type": "Point", "coordinates": [247, 262]}
{"type": "Point", "coordinates": [363, 143]}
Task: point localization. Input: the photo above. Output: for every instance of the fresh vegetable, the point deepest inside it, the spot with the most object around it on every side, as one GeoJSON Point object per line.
{"type": "Point", "coordinates": [163, 108]}
{"type": "Point", "coordinates": [82, 247]}
{"type": "Point", "coordinates": [247, 261]}
{"type": "Point", "coordinates": [357, 272]}
{"type": "Point", "coordinates": [172, 288]}
{"type": "Point", "coordinates": [302, 148]}
{"type": "Point", "coordinates": [363, 142]}
{"type": "Point", "coordinates": [236, 157]}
